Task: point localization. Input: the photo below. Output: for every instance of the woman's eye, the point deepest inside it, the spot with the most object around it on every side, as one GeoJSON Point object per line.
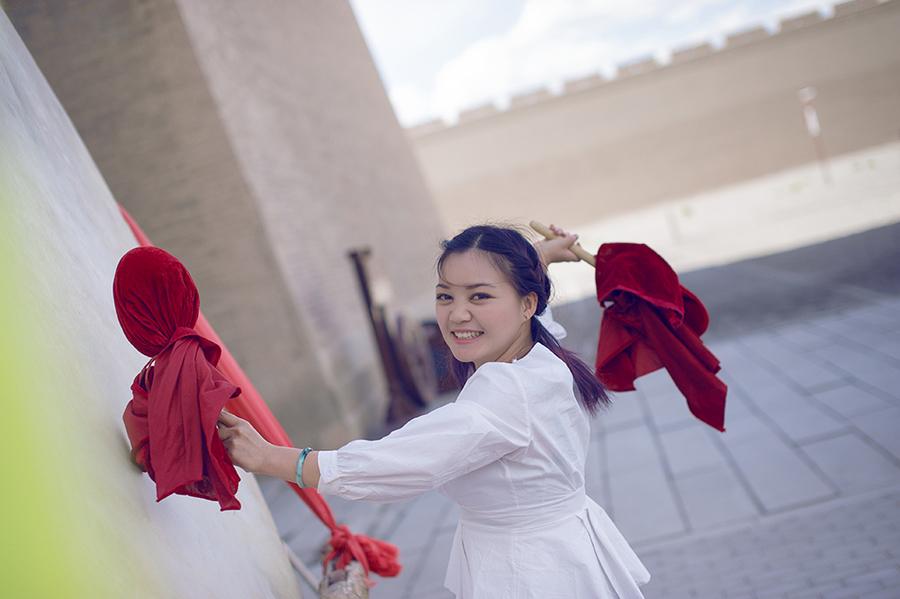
{"type": "Point", "coordinates": [442, 297]}
{"type": "Point", "coordinates": [480, 296]}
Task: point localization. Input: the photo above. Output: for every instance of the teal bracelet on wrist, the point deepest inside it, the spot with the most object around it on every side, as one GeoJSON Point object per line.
{"type": "Point", "coordinates": [299, 476]}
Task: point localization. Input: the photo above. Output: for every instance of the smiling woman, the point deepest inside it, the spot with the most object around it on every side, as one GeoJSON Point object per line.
{"type": "Point", "coordinates": [482, 317]}
{"type": "Point", "coordinates": [502, 262]}
{"type": "Point", "coordinates": [510, 450]}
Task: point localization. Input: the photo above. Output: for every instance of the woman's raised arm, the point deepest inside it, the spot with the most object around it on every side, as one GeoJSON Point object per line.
{"type": "Point", "coordinates": [557, 250]}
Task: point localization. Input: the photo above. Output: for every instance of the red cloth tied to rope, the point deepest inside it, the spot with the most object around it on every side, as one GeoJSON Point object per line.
{"type": "Point", "coordinates": [654, 322]}
{"type": "Point", "coordinates": [178, 395]}
{"type": "Point", "coordinates": [374, 555]}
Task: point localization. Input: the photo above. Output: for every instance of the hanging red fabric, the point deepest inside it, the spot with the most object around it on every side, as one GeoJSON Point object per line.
{"type": "Point", "coordinates": [374, 555]}
{"type": "Point", "coordinates": [178, 395]}
{"type": "Point", "coordinates": [654, 322]}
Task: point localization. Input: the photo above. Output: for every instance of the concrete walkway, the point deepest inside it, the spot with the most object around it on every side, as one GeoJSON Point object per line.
{"type": "Point", "coordinates": [778, 212]}
{"type": "Point", "coordinates": [799, 498]}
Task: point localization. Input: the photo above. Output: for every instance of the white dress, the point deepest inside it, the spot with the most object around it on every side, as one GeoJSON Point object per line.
{"type": "Point", "coordinates": [511, 452]}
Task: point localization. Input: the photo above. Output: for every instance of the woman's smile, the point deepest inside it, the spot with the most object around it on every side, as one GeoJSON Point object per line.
{"type": "Point", "coordinates": [464, 336]}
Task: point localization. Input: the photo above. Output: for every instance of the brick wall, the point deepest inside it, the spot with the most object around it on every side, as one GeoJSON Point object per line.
{"type": "Point", "coordinates": [709, 118]}
{"type": "Point", "coordinates": [258, 146]}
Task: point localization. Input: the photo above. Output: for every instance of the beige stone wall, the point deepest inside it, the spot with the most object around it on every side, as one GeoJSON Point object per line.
{"type": "Point", "coordinates": [328, 163]}
{"type": "Point", "coordinates": [100, 531]}
{"type": "Point", "coordinates": [655, 133]}
{"type": "Point", "coordinates": [258, 146]}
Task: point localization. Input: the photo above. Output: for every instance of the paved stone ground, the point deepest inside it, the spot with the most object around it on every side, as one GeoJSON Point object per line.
{"type": "Point", "coordinates": [799, 498]}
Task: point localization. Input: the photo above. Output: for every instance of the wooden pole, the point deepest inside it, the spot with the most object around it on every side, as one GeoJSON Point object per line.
{"type": "Point", "coordinates": [576, 248]}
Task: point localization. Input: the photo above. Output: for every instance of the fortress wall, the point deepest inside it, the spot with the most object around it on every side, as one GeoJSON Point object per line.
{"type": "Point", "coordinates": [126, 74]}
{"type": "Point", "coordinates": [79, 518]}
{"type": "Point", "coordinates": [654, 133]}
{"type": "Point", "coordinates": [259, 146]}
{"type": "Point", "coordinates": [330, 169]}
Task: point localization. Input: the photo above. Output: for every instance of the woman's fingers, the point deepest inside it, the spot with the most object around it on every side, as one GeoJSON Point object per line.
{"type": "Point", "coordinates": [244, 444]}
{"type": "Point", "coordinates": [228, 419]}
{"type": "Point", "coordinates": [559, 231]}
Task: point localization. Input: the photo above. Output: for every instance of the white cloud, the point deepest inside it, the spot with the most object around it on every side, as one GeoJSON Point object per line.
{"type": "Point", "coordinates": [556, 40]}
{"type": "Point", "coordinates": [551, 42]}
{"type": "Point", "coordinates": [411, 104]}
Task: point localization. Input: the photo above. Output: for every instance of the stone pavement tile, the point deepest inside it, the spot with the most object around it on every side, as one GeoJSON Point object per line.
{"type": "Point", "coordinates": [597, 428]}
{"type": "Point", "coordinates": [737, 404]}
{"type": "Point", "coordinates": [849, 400]}
{"type": "Point", "coordinates": [392, 588]}
{"type": "Point", "coordinates": [890, 574]}
{"type": "Point", "coordinates": [714, 496]}
{"type": "Point", "coordinates": [808, 375]}
{"type": "Point", "coordinates": [690, 448]}
{"type": "Point", "coordinates": [882, 427]}
{"type": "Point", "coordinates": [887, 310]}
{"type": "Point", "coordinates": [808, 552]}
{"type": "Point", "coordinates": [888, 346]}
{"type": "Point", "coordinates": [428, 580]}
{"type": "Point", "coordinates": [667, 409]}
{"type": "Point", "coordinates": [644, 504]}
{"type": "Point", "coordinates": [421, 520]}
{"type": "Point", "coordinates": [425, 514]}
{"type": "Point", "coordinates": [853, 357]}
{"type": "Point", "coordinates": [860, 327]}
{"type": "Point", "coordinates": [802, 336]}
{"type": "Point", "coordinates": [780, 590]}
{"type": "Point", "coordinates": [889, 592]}
{"type": "Point", "coordinates": [362, 516]}
{"type": "Point", "coordinates": [438, 594]}
{"type": "Point", "coordinates": [874, 319]}
{"type": "Point", "coordinates": [297, 525]}
{"type": "Point", "coordinates": [852, 591]}
{"type": "Point", "coordinates": [843, 323]}
{"type": "Point", "coordinates": [738, 430]}
{"type": "Point", "coordinates": [747, 373]}
{"type": "Point", "coordinates": [777, 475]}
{"type": "Point", "coordinates": [629, 448]}
{"type": "Point", "coordinates": [675, 584]}
{"type": "Point", "coordinates": [801, 367]}
{"type": "Point", "coordinates": [832, 567]}
{"type": "Point", "coordinates": [657, 381]}
{"type": "Point", "coordinates": [866, 366]}
{"type": "Point", "coordinates": [596, 481]}
{"type": "Point", "coordinates": [799, 417]}
{"type": "Point", "coordinates": [625, 411]}
{"type": "Point", "coordinates": [851, 464]}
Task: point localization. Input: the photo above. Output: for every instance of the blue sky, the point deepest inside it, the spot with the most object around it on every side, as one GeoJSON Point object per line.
{"type": "Point", "coordinates": [437, 57]}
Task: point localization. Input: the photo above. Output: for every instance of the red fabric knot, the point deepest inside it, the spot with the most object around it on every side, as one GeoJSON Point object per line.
{"type": "Point", "coordinates": [654, 322]}
{"type": "Point", "coordinates": [178, 395]}
{"type": "Point", "coordinates": [375, 556]}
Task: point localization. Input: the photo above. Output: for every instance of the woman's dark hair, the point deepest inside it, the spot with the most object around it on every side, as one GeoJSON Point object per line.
{"type": "Point", "coordinates": [516, 257]}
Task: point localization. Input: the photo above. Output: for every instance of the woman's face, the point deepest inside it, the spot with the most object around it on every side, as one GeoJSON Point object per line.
{"type": "Point", "coordinates": [480, 314]}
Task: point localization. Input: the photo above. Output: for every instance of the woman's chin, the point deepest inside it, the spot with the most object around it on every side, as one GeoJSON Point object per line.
{"type": "Point", "coordinates": [463, 354]}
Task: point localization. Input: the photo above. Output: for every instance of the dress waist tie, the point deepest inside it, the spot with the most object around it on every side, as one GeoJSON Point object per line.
{"type": "Point", "coordinates": [532, 519]}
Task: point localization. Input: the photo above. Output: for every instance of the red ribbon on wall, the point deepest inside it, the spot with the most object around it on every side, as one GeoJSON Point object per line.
{"type": "Point", "coordinates": [374, 555]}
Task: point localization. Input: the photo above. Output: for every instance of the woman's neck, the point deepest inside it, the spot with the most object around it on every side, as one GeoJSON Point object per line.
{"type": "Point", "coordinates": [518, 349]}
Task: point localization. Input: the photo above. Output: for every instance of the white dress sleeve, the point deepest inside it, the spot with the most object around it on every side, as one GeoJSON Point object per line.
{"type": "Point", "coordinates": [488, 420]}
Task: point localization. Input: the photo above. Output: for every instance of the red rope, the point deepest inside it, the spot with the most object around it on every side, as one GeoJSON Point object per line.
{"type": "Point", "coordinates": [374, 555]}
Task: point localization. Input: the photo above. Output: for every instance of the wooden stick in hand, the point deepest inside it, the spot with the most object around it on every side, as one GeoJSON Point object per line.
{"type": "Point", "coordinates": [576, 248]}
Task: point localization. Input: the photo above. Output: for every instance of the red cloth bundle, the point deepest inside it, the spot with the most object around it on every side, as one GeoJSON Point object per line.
{"type": "Point", "coordinates": [375, 555]}
{"type": "Point", "coordinates": [654, 322]}
{"type": "Point", "coordinates": [178, 395]}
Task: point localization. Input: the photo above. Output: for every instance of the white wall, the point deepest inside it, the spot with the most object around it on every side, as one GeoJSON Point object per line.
{"type": "Point", "coordinates": [69, 238]}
